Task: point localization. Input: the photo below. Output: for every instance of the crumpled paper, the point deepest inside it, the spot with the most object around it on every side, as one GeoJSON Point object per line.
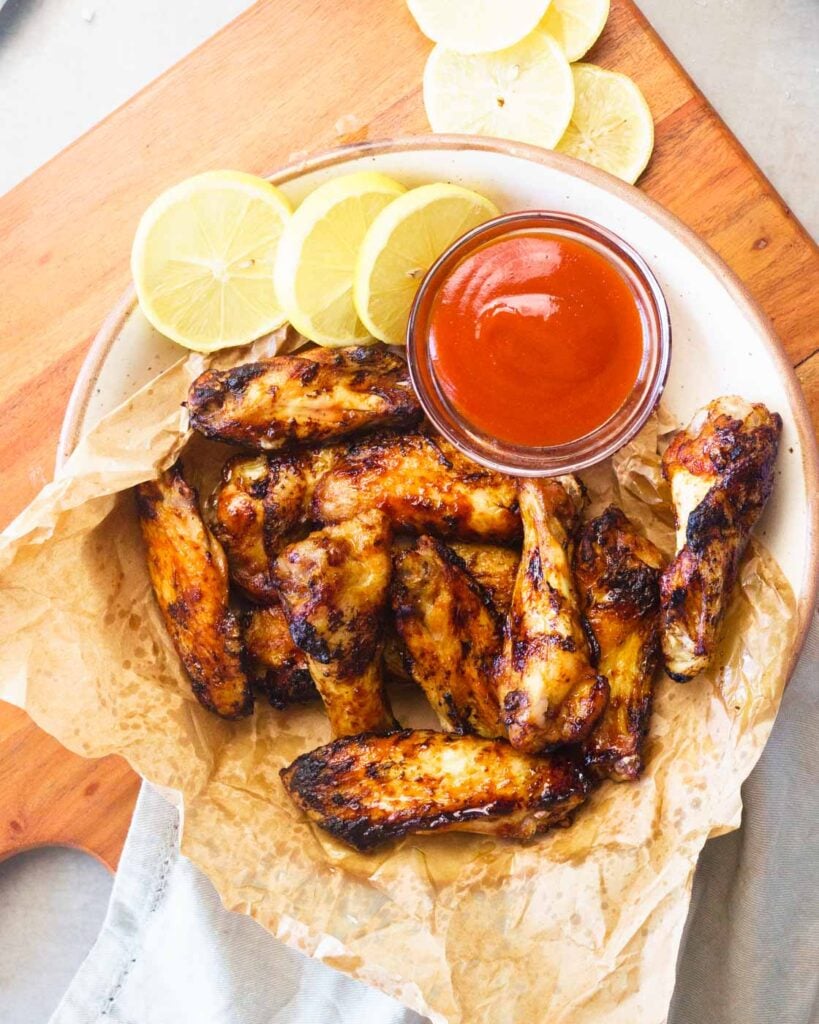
{"type": "Point", "coordinates": [582, 925]}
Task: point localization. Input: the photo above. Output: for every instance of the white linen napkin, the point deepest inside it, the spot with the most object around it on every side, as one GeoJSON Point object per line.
{"type": "Point", "coordinates": [169, 952]}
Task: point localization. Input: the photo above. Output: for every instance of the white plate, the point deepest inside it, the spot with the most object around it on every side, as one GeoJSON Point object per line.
{"type": "Point", "coordinates": [722, 344]}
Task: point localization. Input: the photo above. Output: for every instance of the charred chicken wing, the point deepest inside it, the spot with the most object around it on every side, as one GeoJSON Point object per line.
{"type": "Point", "coordinates": [548, 691]}
{"type": "Point", "coordinates": [451, 635]}
{"type": "Point", "coordinates": [366, 790]}
{"type": "Point", "coordinates": [618, 579]}
{"type": "Point", "coordinates": [274, 662]}
{"type": "Point", "coordinates": [721, 472]}
{"type": "Point", "coordinates": [189, 575]}
{"type": "Point", "coordinates": [424, 485]}
{"type": "Point", "coordinates": [295, 400]}
{"type": "Point", "coordinates": [334, 589]}
{"type": "Point", "coordinates": [261, 501]}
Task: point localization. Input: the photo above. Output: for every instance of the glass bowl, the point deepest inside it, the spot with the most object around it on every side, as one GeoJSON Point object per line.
{"type": "Point", "coordinates": [620, 427]}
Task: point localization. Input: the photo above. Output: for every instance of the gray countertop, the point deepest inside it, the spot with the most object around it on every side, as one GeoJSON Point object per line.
{"type": "Point", "coordinates": [64, 64]}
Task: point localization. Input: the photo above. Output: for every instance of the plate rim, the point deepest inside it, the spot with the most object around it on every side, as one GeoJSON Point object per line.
{"type": "Point", "coordinates": [98, 350]}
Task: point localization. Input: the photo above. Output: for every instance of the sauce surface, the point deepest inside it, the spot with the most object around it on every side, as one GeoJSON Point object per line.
{"type": "Point", "coordinates": [535, 338]}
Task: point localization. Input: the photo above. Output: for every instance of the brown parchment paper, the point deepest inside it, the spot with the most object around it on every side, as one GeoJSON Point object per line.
{"type": "Point", "coordinates": [581, 926]}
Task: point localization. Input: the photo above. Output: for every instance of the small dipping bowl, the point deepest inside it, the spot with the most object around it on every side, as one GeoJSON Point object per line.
{"type": "Point", "coordinates": [592, 447]}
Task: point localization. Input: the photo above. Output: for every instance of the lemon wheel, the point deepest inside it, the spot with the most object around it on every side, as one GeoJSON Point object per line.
{"type": "Point", "coordinates": [203, 258]}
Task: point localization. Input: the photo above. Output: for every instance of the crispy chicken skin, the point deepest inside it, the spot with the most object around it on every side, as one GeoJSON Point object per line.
{"type": "Point", "coordinates": [617, 572]}
{"type": "Point", "coordinates": [493, 567]}
{"type": "Point", "coordinates": [260, 503]}
{"type": "Point", "coordinates": [274, 662]}
{"type": "Point", "coordinates": [451, 634]}
{"type": "Point", "coordinates": [294, 400]}
{"type": "Point", "coordinates": [721, 472]}
{"type": "Point", "coordinates": [424, 485]}
{"type": "Point", "coordinates": [334, 588]}
{"type": "Point", "coordinates": [367, 790]}
{"type": "Point", "coordinates": [189, 575]}
{"type": "Point", "coordinates": [548, 691]}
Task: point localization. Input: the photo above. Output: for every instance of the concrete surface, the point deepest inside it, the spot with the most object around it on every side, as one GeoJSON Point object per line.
{"type": "Point", "coordinates": [64, 64]}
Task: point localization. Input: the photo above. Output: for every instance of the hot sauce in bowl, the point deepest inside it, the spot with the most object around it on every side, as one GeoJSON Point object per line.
{"type": "Point", "coordinates": [539, 343]}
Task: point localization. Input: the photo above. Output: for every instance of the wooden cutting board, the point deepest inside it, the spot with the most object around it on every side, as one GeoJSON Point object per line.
{"type": "Point", "coordinates": [287, 78]}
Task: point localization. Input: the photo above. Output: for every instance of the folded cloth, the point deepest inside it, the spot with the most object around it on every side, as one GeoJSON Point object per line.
{"type": "Point", "coordinates": [170, 953]}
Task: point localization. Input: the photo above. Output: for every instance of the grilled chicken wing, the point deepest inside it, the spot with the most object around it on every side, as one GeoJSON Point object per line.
{"type": "Point", "coordinates": [424, 485]}
{"type": "Point", "coordinates": [618, 579]}
{"type": "Point", "coordinates": [366, 790]}
{"type": "Point", "coordinates": [261, 501]}
{"type": "Point", "coordinates": [334, 589]}
{"type": "Point", "coordinates": [548, 691]}
{"type": "Point", "coordinates": [189, 576]}
{"type": "Point", "coordinates": [292, 400]}
{"type": "Point", "coordinates": [451, 635]}
{"type": "Point", "coordinates": [493, 567]}
{"type": "Point", "coordinates": [721, 471]}
{"type": "Point", "coordinates": [274, 662]}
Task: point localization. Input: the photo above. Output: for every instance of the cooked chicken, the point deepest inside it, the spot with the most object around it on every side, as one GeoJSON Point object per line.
{"type": "Point", "coordinates": [618, 580]}
{"type": "Point", "coordinates": [274, 662]}
{"type": "Point", "coordinates": [424, 485]}
{"type": "Point", "coordinates": [494, 568]}
{"type": "Point", "coordinates": [451, 635]}
{"type": "Point", "coordinates": [261, 502]}
{"type": "Point", "coordinates": [188, 571]}
{"type": "Point", "coordinates": [366, 790]}
{"type": "Point", "coordinates": [548, 691]}
{"type": "Point", "coordinates": [291, 400]}
{"type": "Point", "coordinates": [721, 471]}
{"type": "Point", "coordinates": [395, 656]}
{"type": "Point", "coordinates": [334, 589]}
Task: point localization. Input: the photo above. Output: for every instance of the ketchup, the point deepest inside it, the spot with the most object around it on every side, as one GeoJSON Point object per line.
{"type": "Point", "coordinates": [536, 339]}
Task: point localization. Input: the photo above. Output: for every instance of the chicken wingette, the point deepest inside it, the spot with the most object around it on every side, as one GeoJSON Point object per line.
{"type": "Point", "coordinates": [617, 572]}
{"type": "Point", "coordinates": [260, 503]}
{"type": "Point", "coordinates": [295, 400]}
{"type": "Point", "coordinates": [451, 634]}
{"type": "Point", "coordinates": [721, 472]}
{"type": "Point", "coordinates": [334, 588]}
{"type": "Point", "coordinates": [366, 790]}
{"type": "Point", "coordinates": [548, 691]}
{"type": "Point", "coordinates": [274, 662]}
{"type": "Point", "coordinates": [188, 572]}
{"type": "Point", "coordinates": [424, 485]}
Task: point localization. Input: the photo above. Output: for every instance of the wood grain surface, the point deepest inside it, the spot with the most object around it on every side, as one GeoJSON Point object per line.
{"type": "Point", "coordinates": [285, 79]}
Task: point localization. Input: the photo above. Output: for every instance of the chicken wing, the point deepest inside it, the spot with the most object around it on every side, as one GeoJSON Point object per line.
{"type": "Point", "coordinates": [424, 485]}
{"type": "Point", "coordinates": [721, 471]}
{"type": "Point", "coordinates": [618, 579]}
{"type": "Point", "coordinates": [366, 790]}
{"type": "Point", "coordinates": [261, 501]}
{"type": "Point", "coordinates": [274, 662]}
{"type": "Point", "coordinates": [334, 589]}
{"type": "Point", "coordinates": [189, 575]}
{"type": "Point", "coordinates": [293, 400]}
{"type": "Point", "coordinates": [451, 635]}
{"type": "Point", "coordinates": [548, 691]}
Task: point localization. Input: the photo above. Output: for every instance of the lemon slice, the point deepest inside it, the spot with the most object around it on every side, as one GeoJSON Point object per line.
{"type": "Point", "coordinates": [576, 24]}
{"type": "Point", "coordinates": [477, 26]}
{"type": "Point", "coordinates": [611, 126]}
{"type": "Point", "coordinates": [524, 92]}
{"type": "Point", "coordinates": [403, 242]}
{"type": "Point", "coordinates": [318, 252]}
{"type": "Point", "coordinates": [203, 258]}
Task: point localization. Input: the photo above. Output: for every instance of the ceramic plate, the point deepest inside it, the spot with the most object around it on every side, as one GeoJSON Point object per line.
{"type": "Point", "coordinates": [722, 343]}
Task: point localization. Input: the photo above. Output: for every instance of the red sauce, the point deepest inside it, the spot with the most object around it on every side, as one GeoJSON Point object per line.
{"type": "Point", "coordinates": [535, 339]}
